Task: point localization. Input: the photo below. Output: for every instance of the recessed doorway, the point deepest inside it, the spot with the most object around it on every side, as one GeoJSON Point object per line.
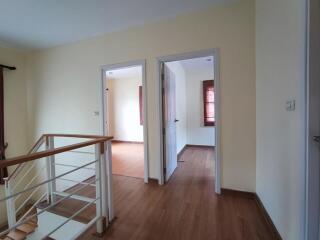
{"type": "Point", "coordinates": [189, 110]}
{"type": "Point", "coordinates": [124, 108]}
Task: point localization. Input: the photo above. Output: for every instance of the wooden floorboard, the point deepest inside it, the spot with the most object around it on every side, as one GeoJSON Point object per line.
{"type": "Point", "coordinates": [185, 208]}
{"type": "Point", "coordinates": [128, 159]}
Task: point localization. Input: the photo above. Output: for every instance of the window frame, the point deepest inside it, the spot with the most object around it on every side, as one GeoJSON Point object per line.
{"type": "Point", "coordinates": [205, 85]}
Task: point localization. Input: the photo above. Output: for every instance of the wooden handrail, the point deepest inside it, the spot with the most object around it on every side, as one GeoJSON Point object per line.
{"type": "Point", "coordinates": [72, 135]}
{"type": "Point", "coordinates": [37, 144]}
{"type": "Point", "coordinates": [42, 154]}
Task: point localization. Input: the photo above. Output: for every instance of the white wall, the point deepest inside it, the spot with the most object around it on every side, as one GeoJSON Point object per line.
{"type": "Point", "coordinates": [63, 82]}
{"type": "Point", "coordinates": [181, 103]}
{"type": "Point", "coordinates": [124, 113]}
{"type": "Point", "coordinates": [198, 134]}
{"type": "Point", "coordinates": [280, 56]}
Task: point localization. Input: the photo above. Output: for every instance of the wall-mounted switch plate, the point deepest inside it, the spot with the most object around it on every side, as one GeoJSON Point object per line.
{"type": "Point", "coordinates": [291, 105]}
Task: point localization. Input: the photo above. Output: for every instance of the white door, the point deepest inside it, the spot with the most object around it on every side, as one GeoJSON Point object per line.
{"type": "Point", "coordinates": [313, 111]}
{"type": "Point", "coordinates": [169, 121]}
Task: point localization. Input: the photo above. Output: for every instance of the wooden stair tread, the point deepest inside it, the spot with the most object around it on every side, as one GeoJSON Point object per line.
{"type": "Point", "coordinates": [17, 235]}
{"type": "Point", "coordinates": [6, 238]}
{"type": "Point", "coordinates": [27, 227]}
{"type": "Point", "coordinates": [34, 219]}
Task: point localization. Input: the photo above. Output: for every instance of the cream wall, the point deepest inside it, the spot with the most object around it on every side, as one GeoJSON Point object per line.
{"type": "Point", "coordinates": [124, 113]}
{"type": "Point", "coordinates": [15, 109]}
{"type": "Point", "coordinates": [198, 134]}
{"type": "Point", "coordinates": [280, 33]}
{"type": "Point", "coordinates": [63, 82]}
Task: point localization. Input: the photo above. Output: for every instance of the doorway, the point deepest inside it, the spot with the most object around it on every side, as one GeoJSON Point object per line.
{"type": "Point", "coordinates": [189, 109]}
{"type": "Point", "coordinates": [125, 118]}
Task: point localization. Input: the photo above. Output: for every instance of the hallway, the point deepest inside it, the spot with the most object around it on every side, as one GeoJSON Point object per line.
{"type": "Point", "coordinates": [185, 208]}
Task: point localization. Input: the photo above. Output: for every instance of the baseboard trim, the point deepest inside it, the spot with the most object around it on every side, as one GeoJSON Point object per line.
{"type": "Point", "coordinates": [267, 218]}
{"type": "Point", "coordinates": [181, 152]}
{"type": "Point", "coordinates": [255, 197]}
{"type": "Point", "coordinates": [153, 181]}
{"type": "Point", "coordinates": [130, 142]}
{"type": "Point", "coordinates": [200, 146]}
{"type": "Point", "coordinates": [237, 193]}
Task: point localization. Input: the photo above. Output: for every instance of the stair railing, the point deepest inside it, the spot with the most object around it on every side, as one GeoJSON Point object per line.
{"type": "Point", "coordinates": [101, 180]}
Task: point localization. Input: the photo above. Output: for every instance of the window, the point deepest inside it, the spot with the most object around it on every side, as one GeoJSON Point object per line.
{"type": "Point", "coordinates": [208, 103]}
{"type": "Point", "coordinates": [141, 105]}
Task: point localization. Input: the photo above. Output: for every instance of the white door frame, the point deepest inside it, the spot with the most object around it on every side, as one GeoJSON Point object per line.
{"type": "Point", "coordinates": [178, 57]}
{"type": "Point", "coordinates": [313, 129]}
{"type": "Point", "coordinates": [104, 111]}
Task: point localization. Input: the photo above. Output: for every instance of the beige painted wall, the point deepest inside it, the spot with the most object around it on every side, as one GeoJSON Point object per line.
{"type": "Point", "coordinates": [280, 33]}
{"type": "Point", "coordinates": [63, 82]}
{"type": "Point", "coordinates": [15, 109]}
{"type": "Point", "coordinates": [124, 113]}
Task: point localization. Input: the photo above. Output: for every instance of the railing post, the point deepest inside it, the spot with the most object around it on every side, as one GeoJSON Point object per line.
{"type": "Point", "coordinates": [109, 180]}
{"type": "Point", "coordinates": [104, 184]}
{"type": "Point", "coordinates": [99, 224]}
{"type": "Point", "coordinates": [51, 172]}
{"type": "Point", "coordinates": [11, 210]}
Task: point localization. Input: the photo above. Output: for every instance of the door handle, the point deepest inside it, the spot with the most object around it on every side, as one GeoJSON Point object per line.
{"type": "Point", "coordinates": [316, 139]}
{"type": "Point", "coordinates": [176, 120]}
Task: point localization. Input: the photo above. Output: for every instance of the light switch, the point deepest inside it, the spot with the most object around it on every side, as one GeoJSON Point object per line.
{"type": "Point", "coordinates": [291, 105]}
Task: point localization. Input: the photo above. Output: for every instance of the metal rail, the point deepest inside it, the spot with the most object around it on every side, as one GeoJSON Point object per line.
{"type": "Point", "coordinates": [101, 182]}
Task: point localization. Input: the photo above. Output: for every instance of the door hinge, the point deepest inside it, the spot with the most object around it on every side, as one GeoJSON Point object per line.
{"type": "Point", "coordinates": [163, 131]}
{"type": "Point", "coordinates": [164, 172]}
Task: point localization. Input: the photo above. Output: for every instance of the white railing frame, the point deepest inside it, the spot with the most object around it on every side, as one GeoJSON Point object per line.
{"type": "Point", "coordinates": [11, 213]}
{"type": "Point", "coordinates": [51, 171]}
{"type": "Point", "coordinates": [102, 183]}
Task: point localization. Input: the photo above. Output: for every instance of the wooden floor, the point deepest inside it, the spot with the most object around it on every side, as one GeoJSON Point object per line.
{"type": "Point", "coordinates": [128, 159]}
{"type": "Point", "coordinates": [185, 208]}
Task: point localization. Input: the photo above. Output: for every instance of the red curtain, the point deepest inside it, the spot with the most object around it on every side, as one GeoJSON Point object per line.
{"type": "Point", "coordinates": [208, 103]}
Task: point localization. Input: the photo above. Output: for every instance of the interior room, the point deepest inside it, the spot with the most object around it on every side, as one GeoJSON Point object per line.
{"type": "Point", "coordinates": [125, 120]}
{"type": "Point", "coordinates": [193, 107]}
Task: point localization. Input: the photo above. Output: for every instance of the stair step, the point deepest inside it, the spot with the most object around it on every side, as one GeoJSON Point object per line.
{"type": "Point", "coordinates": [17, 235]}
{"type": "Point", "coordinates": [34, 219]}
{"type": "Point", "coordinates": [6, 238]}
{"type": "Point", "coordinates": [27, 228]}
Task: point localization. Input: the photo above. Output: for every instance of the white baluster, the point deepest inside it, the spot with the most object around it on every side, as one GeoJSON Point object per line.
{"type": "Point", "coordinates": [51, 172]}
{"type": "Point", "coordinates": [99, 225]}
{"type": "Point", "coordinates": [109, 180]}
{"type": "Point", "coordinates": [11, 211]}
{"type": "Point", "coordinates": [104, 185]}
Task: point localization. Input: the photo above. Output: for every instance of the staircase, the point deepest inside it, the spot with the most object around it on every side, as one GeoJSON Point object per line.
{"type": "Point", "coordinates": [31, 203]}
{"type": "Point", "coordinates": [23, 230]}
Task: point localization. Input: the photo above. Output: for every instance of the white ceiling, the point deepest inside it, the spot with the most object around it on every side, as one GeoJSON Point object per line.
{"type": "Point", "coordinates": [198, 64]}
{"type": "Point", "coordinates": [125, 73]}
{"type": "Point", "coordinates": [35, 24]}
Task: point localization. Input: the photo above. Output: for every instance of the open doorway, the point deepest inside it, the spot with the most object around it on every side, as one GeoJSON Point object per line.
{"type": "Point", "coordinates": [125, 118]}
{"type": "Point", "coordinates": [189, 112]}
